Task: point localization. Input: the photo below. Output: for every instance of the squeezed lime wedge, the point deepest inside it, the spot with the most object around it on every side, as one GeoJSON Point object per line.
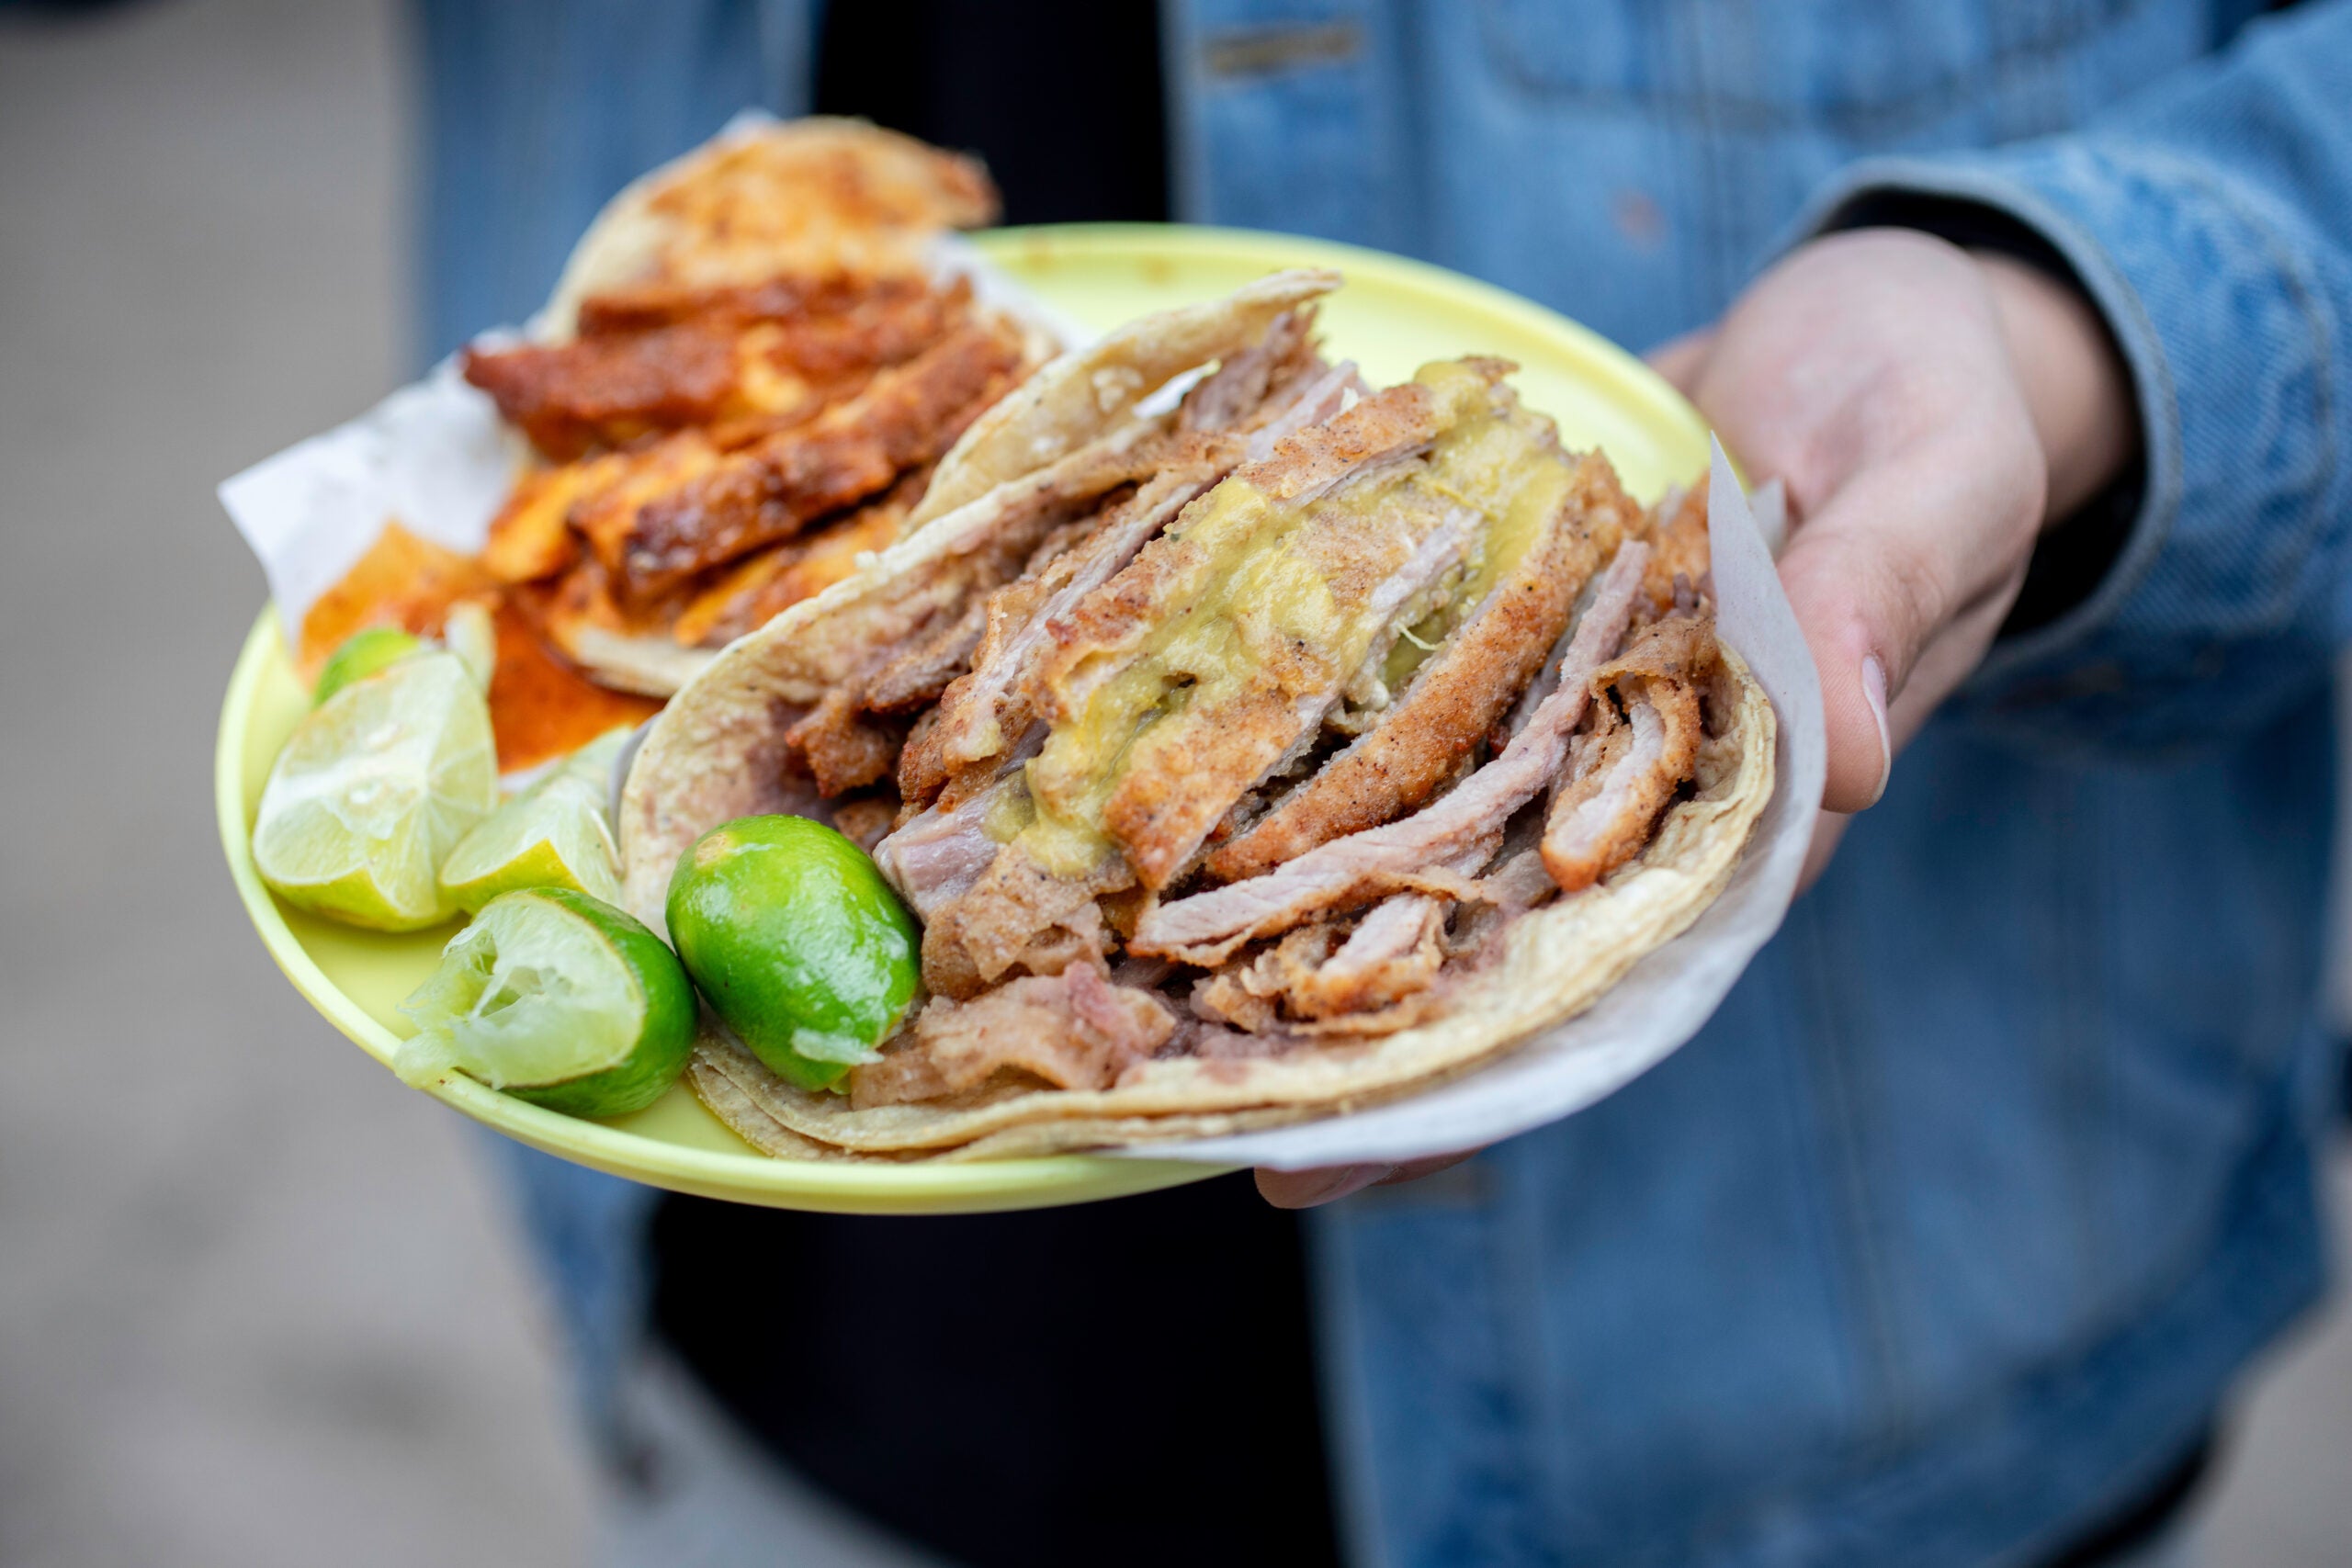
{"type": "Point", "coordinates": [555, 834]}
{"type": "Point", "coordinates": [558, 998]}
{"type": "Point", "coordinates": [373, 789]}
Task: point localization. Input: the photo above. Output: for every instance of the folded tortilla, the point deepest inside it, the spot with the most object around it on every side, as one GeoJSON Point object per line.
{"type": "Point", "coordinates": [720, 751]}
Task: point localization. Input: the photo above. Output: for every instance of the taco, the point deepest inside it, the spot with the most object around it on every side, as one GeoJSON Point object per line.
{"type": "Point", "coordinates": [1250, 744]}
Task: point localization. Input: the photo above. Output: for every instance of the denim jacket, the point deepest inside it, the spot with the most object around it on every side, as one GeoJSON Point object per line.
{"type": "Point", "coordinates": [1948, 1234]}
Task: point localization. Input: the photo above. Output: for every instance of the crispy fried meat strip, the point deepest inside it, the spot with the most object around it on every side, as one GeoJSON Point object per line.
{"type": "Point", "coordinates": [843, 749]}
{"type": "Point", "coordinates": [1677, 532]}
{"type": "Point", "coordinates": [703, 365]}
{"type": "Point", "coordinates": [919, 674]}
{"type": "Point", "coordinates": [1453, 701]}
{"type": "Point", "coordinates": [849, 749]}
{"type": "Point", "coordinates": [1394, 952]}
{"type": "Point", "coordinates": [1460, 830]}
{"type": "Point", "coordinates": [986, 708]}
{"type": "Point", "coordinates": [1074, 1030]}
{"type": "Point", "coordinates": [774, 487]}
{"type": "Point", "coordinates": [754, 590]}
{"type": "Point", "coordinates": [1203, 761]}
{"type": "Point", "coordinates": [915, 668]}
{"type": "Point", "coordinates": [1626, 768]}
{"type": "Point", "coordinates": [568, 398]}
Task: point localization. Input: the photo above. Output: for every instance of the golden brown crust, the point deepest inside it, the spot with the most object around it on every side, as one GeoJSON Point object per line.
{"type": "Point", "coordinates": [1467, 686]}
{"type": "Point", "coordinates": [773, 489]}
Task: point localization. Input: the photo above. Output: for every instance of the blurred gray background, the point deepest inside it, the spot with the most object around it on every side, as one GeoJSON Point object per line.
{"type": "Point", "coordinates": [258, 1305]}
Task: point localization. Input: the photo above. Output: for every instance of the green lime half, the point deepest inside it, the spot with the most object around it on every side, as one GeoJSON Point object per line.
{"type": "Point", "coordinates": [556, 833]}
{"type": "Point", "coordinates": [362, 654]}
{"type": "Point", "coordinates": [797, 940]}
{"type": "Point", "coordinates": [556, 998]}
{"type": "Point", "coordinates": [373, 790]}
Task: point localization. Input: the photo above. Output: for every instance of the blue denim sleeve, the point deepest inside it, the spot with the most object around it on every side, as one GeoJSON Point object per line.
{"type": "Point", "coordinates": [2211, 221]}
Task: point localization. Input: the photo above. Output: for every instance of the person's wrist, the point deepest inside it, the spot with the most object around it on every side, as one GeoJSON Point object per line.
{"type": "Point", "coordinates": [2073, 381]}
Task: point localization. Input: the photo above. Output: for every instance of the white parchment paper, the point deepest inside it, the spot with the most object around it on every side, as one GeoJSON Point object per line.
{"type": "Point", "coordinates": [433, 456]}
{"type": "Point", "coordinates": [1669, 994]}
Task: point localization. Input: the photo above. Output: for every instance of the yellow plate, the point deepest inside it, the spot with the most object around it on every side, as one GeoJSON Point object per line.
{"type": "Point", "coordinates": [1393, 315]}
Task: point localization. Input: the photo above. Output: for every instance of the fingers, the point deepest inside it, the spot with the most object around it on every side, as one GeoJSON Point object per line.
{"type": "Point", "coordinates": [1947, 661]}
{"type": "Point", "coordinates": [1901, 554]}
{"type": "Point", "coordinates": [1307, 1189]}
{"type": "Point", "coordinates": [1951, 656]}
{"type": "Point", "coordinates": [1680, 360]}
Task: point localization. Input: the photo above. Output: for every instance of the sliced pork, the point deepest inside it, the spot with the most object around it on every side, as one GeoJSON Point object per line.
{"type": "Point", "coordinates": [1643, 747]}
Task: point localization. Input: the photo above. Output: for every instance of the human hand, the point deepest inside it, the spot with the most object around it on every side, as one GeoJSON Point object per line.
{"type": "Point", "coordinates": [1929, 410]}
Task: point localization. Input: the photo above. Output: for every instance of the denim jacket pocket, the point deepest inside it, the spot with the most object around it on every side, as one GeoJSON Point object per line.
{"type": "Point", "coordinates": [1868, 71]}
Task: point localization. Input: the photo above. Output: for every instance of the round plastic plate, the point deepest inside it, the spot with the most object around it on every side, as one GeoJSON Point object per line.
{"type": "Point", "coordinates": [1392, 316]}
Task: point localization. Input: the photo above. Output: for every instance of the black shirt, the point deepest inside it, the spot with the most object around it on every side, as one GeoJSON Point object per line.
{"type": "Point", "coordinates": [1128, 1382]}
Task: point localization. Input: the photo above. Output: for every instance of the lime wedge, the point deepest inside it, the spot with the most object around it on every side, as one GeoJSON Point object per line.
{"type": "Point", "coordinates": [373, 789]}
{"type": "Point", "coordinates": [360, 655]}
{"type": "Point", "coordinates": [553, 835]}
{"type": "Point", "coordinates": [558, 999]}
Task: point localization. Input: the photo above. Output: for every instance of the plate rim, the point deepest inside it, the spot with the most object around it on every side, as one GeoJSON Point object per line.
{"type": "Point", "coordinates": [931, 1187]}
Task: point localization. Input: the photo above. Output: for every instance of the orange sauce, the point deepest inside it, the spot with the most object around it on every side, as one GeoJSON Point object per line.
{"type": "Point", "coordinates": [402, 581]}
{"type": "Point", "coordinates": [539, 706]}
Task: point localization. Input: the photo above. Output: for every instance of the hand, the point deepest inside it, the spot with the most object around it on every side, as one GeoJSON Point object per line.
{"type": "Point", "coordinates": [1306, 1188]}
{"type": "Point", "coordinates": [1931, 412]}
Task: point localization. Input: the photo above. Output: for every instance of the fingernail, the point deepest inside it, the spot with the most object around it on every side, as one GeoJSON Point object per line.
{"type": "Point", "coordinates": [1875, 692]}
